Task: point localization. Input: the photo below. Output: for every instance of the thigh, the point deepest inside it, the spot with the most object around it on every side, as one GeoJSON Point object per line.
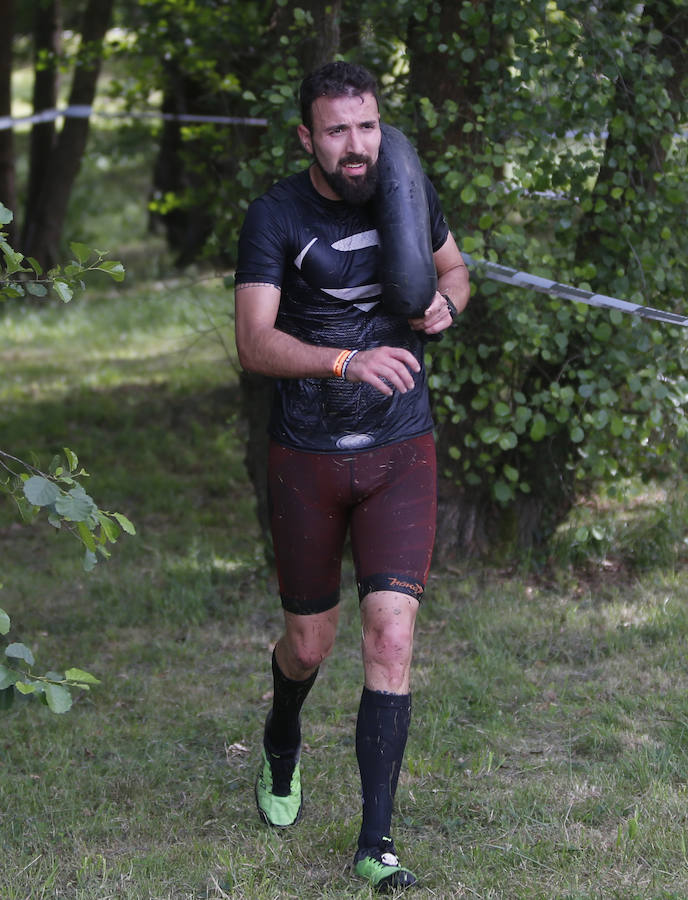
{"type": "Point", "coordinates": [308, 518]}
{"type": "Point", "coordinates": [393, 527]}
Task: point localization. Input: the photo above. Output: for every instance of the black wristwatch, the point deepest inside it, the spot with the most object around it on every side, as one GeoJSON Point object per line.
{"type": "Point", "coordinates": [453, 311]}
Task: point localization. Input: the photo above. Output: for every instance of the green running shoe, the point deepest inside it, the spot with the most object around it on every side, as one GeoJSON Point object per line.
{"type": "Point", "coordinates": [278, 789]}
{"type": "Point", "coordinates": [380, 865]}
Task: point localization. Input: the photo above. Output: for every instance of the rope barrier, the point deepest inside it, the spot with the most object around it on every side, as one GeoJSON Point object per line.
{"type": "Point", "coordinates": [545, 286]}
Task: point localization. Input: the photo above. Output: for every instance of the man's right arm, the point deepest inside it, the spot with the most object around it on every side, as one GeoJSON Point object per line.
{"type": "Point", "coordinates": [265, 349]}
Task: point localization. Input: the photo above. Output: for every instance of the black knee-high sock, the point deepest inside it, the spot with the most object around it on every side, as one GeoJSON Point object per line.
{"type": "Point", "coordinates": [283, 727]}
{"type": "Point", "coordinates": [381, 731]}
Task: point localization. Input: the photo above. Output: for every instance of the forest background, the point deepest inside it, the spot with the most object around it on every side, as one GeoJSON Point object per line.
{"type": "Point", "coordinates": [555, 134]}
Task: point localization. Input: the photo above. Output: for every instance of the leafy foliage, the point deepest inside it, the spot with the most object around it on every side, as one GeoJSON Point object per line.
{"type": "Point", "coordinates": [59, 492]}
{"type": "Point", "coordinates": [17, 677]}
{"type": "Point", "coordinates": [61, 495]}
{"type": "Point", "coordinates": [68, 505]}
{"type": "Point", "coordinates": [22, 275]}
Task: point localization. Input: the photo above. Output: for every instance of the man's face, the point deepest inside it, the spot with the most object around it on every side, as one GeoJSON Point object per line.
{"type": "Point", "coordinates": [344, 141]}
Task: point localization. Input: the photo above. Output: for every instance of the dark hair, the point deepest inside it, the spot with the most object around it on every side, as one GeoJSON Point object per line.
{"type": "Point", "coordinates": [336, 79]}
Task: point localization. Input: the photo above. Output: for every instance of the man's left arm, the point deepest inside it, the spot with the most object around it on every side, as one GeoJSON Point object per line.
{"type": "Point", "coordinates": [452, 280]}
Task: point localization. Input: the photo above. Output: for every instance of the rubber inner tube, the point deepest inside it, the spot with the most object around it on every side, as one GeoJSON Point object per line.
{"type": "Point", "coordinates": [407, 274]}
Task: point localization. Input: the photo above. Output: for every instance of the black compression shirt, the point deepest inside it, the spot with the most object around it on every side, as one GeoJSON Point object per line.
{"type": "Point", "coordinates": [323, 255]}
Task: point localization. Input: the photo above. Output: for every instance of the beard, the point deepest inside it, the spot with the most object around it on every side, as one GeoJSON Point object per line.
{"type": "Point", "coordinates": [356, 190]}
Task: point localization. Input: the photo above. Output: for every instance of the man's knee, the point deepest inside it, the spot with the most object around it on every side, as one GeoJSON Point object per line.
{"type": "Point", "coordinates": [388, 645]}
{"type": "Point", "coordinates": [388, 626]}
{"type": "Point", "coordinates": [307, 656]}
{"type": "Point", "coordinates": [307, 641]}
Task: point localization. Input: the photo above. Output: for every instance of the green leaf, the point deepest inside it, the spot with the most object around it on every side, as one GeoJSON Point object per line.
{"type": "Point", "coordinates": [72, 270]}
{"type": "Point", "coordinates": [63, 291]}
{"type": "Point", "coordinates": [81, 677]}
{"type": "Point", "coordinates": [20, 651]}
{"type": "Point", "coordinates": [490, 434]}
{"type": "Point", "coordinates": [539, 427]}
{"type": "Point", "coordinates": [72, 458]}
{"type": "Point", "coordinates": [503, 492]}
{"type": "Point", "coordinates": [35, 288]}
{"type": "Point", "coordinates": [59, 698]}
{"type": "Point", "coordinates": [90, 560]}
{"type": "Point", "coordinates": [35, 265]}
{"type": "Point", "coordinates": [39, 491]}
{"type": "Point", "coordinates": [6, 215]}
{"type": "Point", "coordinates": [26, 509]}
{"type": "Point", "coordinates": [113, 268]}
{"type": "Point", "coordinates": [76, 505]}
{"type": "Point", "coordinates": [124, 523]}
{"type": "Point", "coordinates": [603, 331]}
{"type": "Point", "coordinates": [87, 537]}
{"type": "Point", "coordinates": [4, 622]}
{"type": "Point", "coordinates": [110, 528]}
{"type": "Point", "coordinates": [7, 677]}
{"type": "Point", "coordinates": [81, 251]}
{"type": "Point", "coordinates": [28, 687]}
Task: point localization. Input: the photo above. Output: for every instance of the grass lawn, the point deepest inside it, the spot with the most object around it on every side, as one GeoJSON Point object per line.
{"type": "Point", "coordinates": [548, 751]}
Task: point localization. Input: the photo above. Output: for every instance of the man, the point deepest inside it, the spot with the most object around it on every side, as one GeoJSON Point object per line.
{"type": "Point", "coordinates": [351, 442]}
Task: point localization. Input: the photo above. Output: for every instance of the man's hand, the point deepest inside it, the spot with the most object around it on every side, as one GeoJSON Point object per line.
{"type": "Point", "coordinates": [436, 318]}
{"type": "Point", "coordinates": [385, 368]}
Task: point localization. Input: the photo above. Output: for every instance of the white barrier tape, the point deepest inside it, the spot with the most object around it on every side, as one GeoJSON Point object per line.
{"type": "Point", "coordinates": [567, 292]}
{"type": "Point", "coordinates": [84, 112]}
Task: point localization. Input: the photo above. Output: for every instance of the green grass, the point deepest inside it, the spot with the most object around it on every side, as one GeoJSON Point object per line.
{"type": "Point", "coordinates": [548, 751]}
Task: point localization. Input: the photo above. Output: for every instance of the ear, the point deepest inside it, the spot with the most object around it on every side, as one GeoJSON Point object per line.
{"type": "Point", "coordinates": [305, 138]}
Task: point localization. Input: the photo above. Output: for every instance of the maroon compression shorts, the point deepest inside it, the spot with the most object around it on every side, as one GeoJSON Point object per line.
{"type": "Point", "coordinates": [386, 496]}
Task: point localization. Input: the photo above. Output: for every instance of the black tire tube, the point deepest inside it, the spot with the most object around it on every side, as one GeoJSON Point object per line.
{"type": "Point", "coordinates": [407, 271]}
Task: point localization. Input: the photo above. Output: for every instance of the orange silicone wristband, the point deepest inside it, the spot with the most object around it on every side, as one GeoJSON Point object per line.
{"type": "Point", "coordinates": [339, 362]}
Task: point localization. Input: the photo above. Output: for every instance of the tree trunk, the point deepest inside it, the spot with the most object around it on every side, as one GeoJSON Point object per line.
{"type": "Point", "coordinates": [323, 42]}
{"type": "Point", "coordinates": [47, 218]}
{"type": "Point", "coordinates": [8, 194]}
{"type": "Point", "coordinates": [47, 35]}
{"type": "Point", "coordinates": [186, 227]}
